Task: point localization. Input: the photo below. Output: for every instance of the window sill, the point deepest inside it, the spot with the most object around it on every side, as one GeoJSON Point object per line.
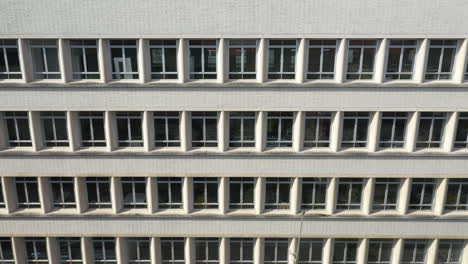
{"type": "Point", "coordinates": [163, 81]}
{"type": "Point", "coordinates": [279, 150]}
{"type": "Point", "coordinates": [92, 149]}
{"type": "Point", "coordinates": [242, 81]}
{"type": "Point", "coordinates": [317, 150]}
{"type": "Point", "coordinates": [461, 213]}
{"type": "Point", "coordinates": [7, 81]}
{"type": "Point", "coordinates": [18, 149]}
{"type": "Point", "coordinates": [206, 212]}
{"type": "Point", "coordinates": [64, 211]}
{"type": "Point", "coordinates": [385, 213]}
{"type": "Point", "coordinates": [391, 150]}
{"type": "Point", "coordinates": [55, 149]}
{"type": "Point", "coordinates": [124, 81]}
{"type": "Point", "coordinates": [129, 149]}
{"type": "Point", "coordinates": [241, 212]}
{"type": "Point", "coordinates": [167, 212]}
{"type": "Point", "coordinates": [99, 211]}
{"type": "Point", "coordinates": [204, 150]}
{"type": "Point", "coordinates": [134, 211]}
{"type": "Point", "coordinates": [421, 213]}
{"type": "Point", "coordinates": [27, 211]}
{"type": "Point", "coordinates": [270, 212]}
{"type": "Point", "coordinates": [241, 150]}
{"type": "Point", "coordinates": [354, 150]}
{"type": "Point", "coordinates": [166, 149]}
{"type": "Point", "coordinates": [317, 212]}
{"type": "Point", "coordinates": [85, 81]}
{"type": "Point", "coordinates": [48, 81]}
{"type": "Point", "coordinates": [354, 212]}
{"type": "Point", "coordinates": [430, 150]}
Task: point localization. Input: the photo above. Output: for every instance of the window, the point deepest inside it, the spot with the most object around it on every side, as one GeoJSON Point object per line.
{"type": "Point", "coordinates": [461, 138]}
{"type": "Point", "coordinates": [2, 199]}
{"type": "Point", "coordinates": [169, 192]}
{"type": "Point", "coordinates": [205, 193]}
{"type": "Point", "coordinates": [457, 195]}
{"type": "Point", "coordinates": [355, 126]}
{"type": "Point", "coordinates": [450, 251]}
{"type": "Point", "coordinates": [172, 251]}
{"type": "Point", "coordinates": [241, 250]}
{"type": "Point", "coordinates": [55, 129]}
{"type": "Point", "coordinates": [104, 250]}
{"type": "Point", "coordinates": [70, 250]}
{"type": "Point", "coordinates": [129, 126]}
{"type": "Point", "coordinates": [63, 192]}
{"type": "Point", "coordinates": [393, 129]}
{"type": "Point", "coordinates": [282, 59]}
{"type": "Point", "coordinates": [98, 189]}
{"type": "Point", "coordinates": [166, 129]}
{"type": "Point", "coordinates": [242, 59]}
{"type": "Point", "coordinates": [204, 129]}
{"type": "Point", "coordinates": [241, 193]}
{"type": "Point", "coordinates": [321, 59]}
{"type": "Point", "coordinates": [134, 192]}
{"type": "Point", "coordinates": [400, 60]}
{"type": "Point", "coordinates": [18, 129]}
{"type": "Point", "coordinates": [84, 59]}
{"type": "Point", "coordinates": [6, 251]}
{"type": "Point", "coordinates": [9, 60]}
{"type": "Point", "coordinates": [414, 251]}
{"type": "Point", "coordinates": [431, 129]}
{"type": "Point", "coordinates": [313, 193]}
{"type": "Point", "coordinates": [92, 129]}
{"type": "Point", "coordinates": [241, 129]}
{"type": "Point", "coordinates": [279, 129]}
{"type": "Point", "coordinates": [310, 251]}
{"type": "Point", "coordinates": [276, 250]}
{"type": "Point", "coordinates": [45, 59]}
{"type": "Point", "coordinates": [380, 251]}
{"type": "Point", "coordinates": [124, 59]}
{"type": "Point", "coordinates": [139, 251]}
{"type": "Point", "coordinates": [28, 192]}
{"type": "Point", "coordinates": [361, 56]}
{"type": "Point", "coordinates": [386, 194]}
{"type": "Point", "coordinates": [163, 59]}
{"type": "Point", "coordinates": [422, 194]}
{"type": "Point", "coordinates": [36, 250]}
{"type": "Point", "coordinates": [206, 250]}
{"type": "Point", "coordinates": [277, 193]}
{"type": "Point", "coordinates": [349, 193]}
{"type": "Point", "coordinates": [440, 59]}
{"type": "Point", "coordinates": [317, 129]}
{"type": "Point", "coordinates": [202, 59]}
{"type": "Point", "coordinates": [345, 251]}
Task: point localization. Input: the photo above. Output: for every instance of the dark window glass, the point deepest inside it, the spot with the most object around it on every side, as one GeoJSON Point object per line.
{"type": "Point", "coordinates": [202, 59]}
{"type": "Point", "coordinates": [321, 59]}
{"type": "Point", "coordinates": [276, 251]}
{"type": "Point", "coordinates": [36, 250]}
{"type": "Point", "coordinates": [241, 129]}
{"type": "Point", "coordinates": [139, 251]}
{"type": "Point", "coordinates": [204, 129]}
{"type": "Point", "coordinates": [380, 251]}
{"type": "Point", "coordinates": [450, 251]}
{"type": "Point", "coordinates": [422, 194]}
{"type": "Point", "coordinates": [124, 59]}
{"type": "Point", "coordinates": [84, 59]}
{"type": "Point", "coordinates": [205, 193]}
{"type": "Point", "coordinates": [92, 129]}
{"type": "Point", "coordinates": [18, 129]}
{"type": "Point", "coordinates": [431, 129]}
{"type": "Point", "coordinates": [55, 129]}
{"type": "Point", "coordinates": [279, 129]}
{"type": "Point", "coordinates": [163, 59]}
{"type": "Point", "coordinates": [345, 251]}
{"type": "Point", "coordinates": [241, 250]}
{"type": "Point", "coordinates": [70, 250]}
{"type": "Point", "coordinates": [361, 56]}
{"type": "Point", "coordinates": [349, 194]}
{"type": "Point", "coordinates": [28, 192]}
{"type": "Point", "coordinates": [104, 250]}
{"type": "Point", "coordinates": [9, 60]}
{"type": "Point", "coordinates": [282, 59]}
{"type": "Point", "coordinates": [461, 137]}
{"type": "Point", "coordinates": [206, 250]}
{"type": "Point", "coordinates": [241, 193]}
{"type": "Point", "coordinates": [393, 129]}
{"type": "Point", "coordinates": [45, 59]}
{"type": "Point", "coordinates": [172, 250]}
{"type": "Point", "coordinates": [440, 59]}
{"type": "Point", "coordinates": [98, 189]}
{"type": "Point", "coordinates": [6, 251]}
{"type": "Point", "coordinates": [457, 195]}
{"type": "Point", "coordinates": [129, 126]}
{"type": "Point", "coordinates": [63, 192]}
{"type": "Point", "coordinates": [166, 129]}
{"type": "Point", "coordinates": [386, 194]}
{"type": "Point", "coordinates": [414, 251]}
{"type": "Point", "coordinates": [400, 60]}
{"type": "Point", "coordinates": [314, 192]}
{"type": "Point", "coordinates": [169, 192]}
{"type": "Point", "coordinates": [277, 193]}
{"type": "Point", "coordinates": [242, 59]}
{"type": "Point", "coordinates": [310, 251]}
{"type": "Point", "coordinates": [317, 129]}
{"type": "Point", "coordinates": [134, 192]}
{"type": "Point", "coordinates": [355, 127]}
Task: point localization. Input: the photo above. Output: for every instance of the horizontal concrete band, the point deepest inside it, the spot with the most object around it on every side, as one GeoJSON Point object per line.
{"type": "Point", "coordinates": [239, 98]}
{"type": "Point", "coordinates": [232, 227]}
{"type": "Point", "coordinates": [288, 165]}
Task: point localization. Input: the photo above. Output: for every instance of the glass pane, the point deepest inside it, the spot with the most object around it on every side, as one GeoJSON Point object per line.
{"type": "Point", "coordinates": [274, 60]}
{"type": "Point", "coordinates": [170, 59]}
{"type": "Point", "coordinates": [328, 64]}
{"type": "Point", "coordinates": [289, 60]}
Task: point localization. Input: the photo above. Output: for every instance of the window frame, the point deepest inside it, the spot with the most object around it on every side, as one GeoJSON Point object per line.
{"type": "Point", "coordinates": [243, 242]}
{"type": "Point", "coordinates": [427, 144]}
{"type": "Point", "coordinates": [3, 248]}
{"type": "Point", "coordinates": [318, 118]}
{"type": "Point", "coordinates": [163, 46]}
{"type": "Point", "coordinates": [83, 48]}
{"type": "Point", "coordinates": [279, 142]}
{"type": "Point", "coordinates": [346, 249]}
{"type": "Point", "coordinates": [360, 73]}
{"type": "Point", "coordinates": [101, 243]}
{"type": "Point", "coordinates": [54, 117]}
{"type": "Point", "coordinates": [133, 182]}
{"type": "Point", "coordinates": [130, 142]}
{"type": "Point", "coordinates": [14, 118]}
{"type": "Point", "coordinates": [169, 181]}
{"type": "Point", "coordinates": [321, 47]}
{"type": "Point", "coordinates": [314, 182]}
{"type": "Point", "coordinates": [242, 182]}
{"type": "Point", "coordinates": [27, 204]}
{"type": "Point", "coordinates": [205, 204]}
{"type": "Point", "coordinates": [403, 47]}
{"type": "Point", "coordinates": [34, 256]}
{"type": "Point", "coordinates": [204, 142]}
{"type": "Point", "coordinates": [381, 243]}
{"type": "Point", "coordinates": [68, 241]}
{"type": "Point", "coordinates": [203, 74]}
{"type": "Point", "coordinates": [387, 182]}
{"type": "Point", "coordinates": [97, 182]}
{"type": "Point", "coordinates": [123, 74]}
{"type": "Point", "coordinates": [351, 183]}
{"type": "Point", "coordinates": [91, 117]}
{"type": "Point", "coordinates": [355, 143]}
{"type": "Point", "coordinates": [421, 206]}
{"type": "Point", "coordinates": [43, 49]}
{"type": "Point", "coordinates": [415, 244]}
{"type": "Point", "coordinates": [460, 144]}
{"type": "Point", "coordinates": [277, 242]}
{"type": "Point", "coordinates": [282, 74]}
{"type": "Point", "coordinates": [61, 181]}
{"type": "Point", "coordinates": [242, 117]}
{"type": "Point", "coordinates": [394, 119]}
{"type": "Point", "coordinates": [277, 204]}
{"type": "Point", "coordinates": [10, 75]}
{"type": "Point", "coordinates": [310, 243]}
{"type": "Point", "coordinates": [139, 241]}
{"type": "Point", "coordinates": [462, 189]}
{"type": "Point", "coordinates": [172, 241]}
{"type": "Point", "coordinates": [443, 48]}
{"type": "Point", "coordinates": [242, 48]}
{"type": "Point", "coordinates": [167, 142]}
{"type": "Point", "coordinates": [206, 242]}
{"type": "Point", "coordinates": [451, 243]}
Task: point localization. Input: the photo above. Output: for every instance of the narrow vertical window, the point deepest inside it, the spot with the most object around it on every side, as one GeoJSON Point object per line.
{"type": "Point", "coordinates": [55, 129]}
{"type": "Point", "coordinates": [385, 194]}
{"type": "Point", "coordinates": [36, 250]}
{"type": "Point", "coordinates": [276, 251]}
{"type": "Point", "coordinates": [2, 199]}
{"type": "Point", "coordinates": [204, 129]}
{"type": "Point", "coordinates": [84, 59]}
{"type": "Point", "coordinates": [6, 251]}
{"type": "Point", "coordinates": [380, 251]}
{"type": "Point", "coordinates": [169, 192]}
{"type": "Point", "coordinates": [355, 129]}
{"type": "Point", "coordinates": [205, 193]}
{"type": "Point", "coordinates": [242, 55]}
{"type": "Point", "coordinates": [241, 250]}
{"type": "Point", "coordinates": [277, 193]}
{"type": "Point", "coordinates": [400, 60]}
{"type": "Point", "coordinates": [317, 129]}
{"type": "Point", "coordinates": [282, 59]}
{"type": "Point", "coordinates": [166, 129]}
{"type": "Point", "coordinates": [361, 57]}
{"type": "Point", "coordinates": [457, 195]}
{"type": "Point", "coordinates": [393, 129]}
{"type": "Point", "coordinates": [450, 251]}
{"type": "Point", "coordinates": [349, 194]}
{"type": "Point", "coordinates": [63, 192]}
{"type": "Point", "coordinates": [241, 193]}
{"type": "Point", "coordinates": [172, 251]}
{"type": "Point", "coordinates": [241, 129]}
{"type": "Point", "coordinates": [18, 129]}
{"type": "Point", "coordinates": [431, 129]}
{"type": "Point", "coordinates": [45, 59]}
{"type": "Point", "coordinates": [9, 60]}
{"type": "Point", "coordinates": [414, 251]}
{"type": "Point", "coordinates": [279, 129]}
{"type": "Point", "coordinates": [124, 59]}
{"type": "Point", "coordinates": [139, 251]}
{"type": "Point", "coordinates": [28, 192]}
{"type": "Point", "coordinates": [104, 250]}
{"type": "Point", "coordinates": [422, 194]}
{"type": "Point", "coordinates": [163, 59]}
{"type": "Point", "coordinates": [310, 251]}
{"type": "Point", "coordinates": [134, 192]}
{"type": "Point", "coordinates": [461, 138]}
{"type": "Point", "coordinates": [440, 60]}
{"type": "Point", "coordinates": [322, 55]}
{"type": "Point", "coordinates": [206, 250]}
{"type": "Point", "coordinates": [70, 250]}
{"type": "Point", "coordinates": [202, 59]}
{"type": "Point", "coordinates": [92, 129]}
{"type": "Point", "coordinates": [98, 189]}
{"type": "Point", "coordinates": [314, 191]}
{"type": "Point", "coordinates": [345, 251]}
{"type": "Point", "coordinates": [129, 126]}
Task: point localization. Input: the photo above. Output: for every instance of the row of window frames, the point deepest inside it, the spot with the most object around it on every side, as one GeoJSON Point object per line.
{"type": "Point", "coordinates": [241, 129]}
{"type": "Point", "coordinates": [241, 250]}
{"type": "Point", "coordinates": [241, 193]}
{"type": "Point", "coordinates": [242, 59]}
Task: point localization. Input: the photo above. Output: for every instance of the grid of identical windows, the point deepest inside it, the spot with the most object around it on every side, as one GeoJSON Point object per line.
{"type": "Point", "coordinates": [92, 129]}
{"type": "Point", "coordinates": [63, 192]}
{"type": "Point", "coordinates": [349, 193]}
{"type": "Point", "coordinates": [461, 137]}
{"type": "Point", "coordinates": [6, 251]}
{"type": "Point", "coordinates": [414, 251]}
{"type": "Point", "coordinates": [163, 59]}
{"type": "Point", "coordinates": [279, 129]}
{"type": "Point", "coordinates": [241, 129]}
{"type": "Point", "coordinates": [282, 59]}
{"type": "Point", "coordinates": [314, 191]}
{"type": "Point", "coordinates": [241, 250]}
{"type": "Point", "coordinates": [361, 58]}
{"type": "Point", "coordinates": [400, 60]}
{"type": "Point", "coordinates": [104, 250]}
{"type": "Point", "coordinates": [277, 193]}
{"type": "Point", "coordinates": [27, 192]}
{"type": "Point", "coordinates": [139, 251]}
{"type": "Point", "coordinates": [205, 192]}
{"type": "Point", "coordinates": [9, 60]}
{"type": "Point", "coordinates": [36, 250]}
{"type": "Point", "coordinates": [166, 129]}
{"type": "Point", "coordinates": [17, 124]}
{"type": "Point", "coordinates": [310, 251]}
{"type": "Point", "coordinates": [380, 251]}
{"type": "Point", "coordinates": [242, 59]}
{"type": "Point", "coordinates": [457, 195]}
{"type": "Point", "coordinates": [172, 250]}
{"type": "Point", "coordinates": [345, 251]}
{"type": "Point", "coordinates": [241, 193]}
{"type": "Point", "coordinates": [124, 59]}
{"type": "Point", "coordinates": [440, 59]}
{"type": "Point", "coordinates": [422, 194]}
{"type": "Point", "coordinates": [45, 59]}
{"type": "Point", "coordinates": [317, 129]}
{"type": "Point", "coordinates": [202, 59]}
{"type": "Point", "coordinates": [393, 129]}
{"type": "Point", "coordinates": [84, 58]}
{"type": "Point", "coordinates": [276, 250]}
{"type": "Point", "coordinates": [204, 129]}
{"type": "Point", "coordinates": [385, 194]}
{"type": "Point", "coordinates": [431, 129]}
{"type": "Point", "coordinates": [70, 250]}
{"type": "Point", "coordinates": [98, 189]}
{"type": "Point", "coordinates": [55, 129]}
{"type": "Point", "coordinates": [169, 192]}
{"type": "Point", "coordinates": [322, 55]}
{"type": "Point", "coordinates": [450, 251]}
{"type": "Point", "coordinates": [134, 192]}
{"type": "Point", "coordinates": [355, 129]}
{"type": "Point", "coordinates": [129, 126]}
{"type": "Point", "coordinates": [206, 250]}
